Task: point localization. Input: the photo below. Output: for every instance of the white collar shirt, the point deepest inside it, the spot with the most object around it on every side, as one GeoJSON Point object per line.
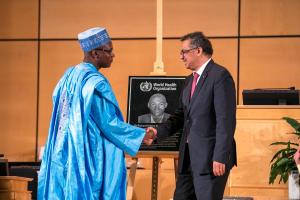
{"type": "Point", "coordinates": [201, 69]}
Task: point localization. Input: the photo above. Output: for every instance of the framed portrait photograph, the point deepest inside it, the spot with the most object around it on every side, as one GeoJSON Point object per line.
{"type": "Point", "coordinates": [151, 101]}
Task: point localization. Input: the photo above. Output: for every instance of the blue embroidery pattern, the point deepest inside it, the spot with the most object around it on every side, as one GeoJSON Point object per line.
{"type": "Point", "coordinates": [64, 112]}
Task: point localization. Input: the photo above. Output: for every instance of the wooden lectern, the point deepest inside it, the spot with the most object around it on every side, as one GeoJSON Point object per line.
{"type": "Point", "coordinates": [14, 187]}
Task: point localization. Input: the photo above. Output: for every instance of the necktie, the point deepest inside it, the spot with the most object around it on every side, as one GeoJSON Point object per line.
{"type": "Point", "coordinates": [196, 75]}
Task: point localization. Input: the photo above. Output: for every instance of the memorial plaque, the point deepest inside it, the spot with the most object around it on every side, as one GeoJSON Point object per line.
{"type": "Point", "coordinates": [151, 101]}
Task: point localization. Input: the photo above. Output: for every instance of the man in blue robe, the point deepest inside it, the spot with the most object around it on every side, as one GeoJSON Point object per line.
{"type": "Point", "coordinates": [84, 153]}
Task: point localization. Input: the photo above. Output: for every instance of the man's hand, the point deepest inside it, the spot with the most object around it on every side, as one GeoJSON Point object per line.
{"type": "Point", "coordinates": [150, 135]}
{"type": "Point", "coordinates": [218, 168]}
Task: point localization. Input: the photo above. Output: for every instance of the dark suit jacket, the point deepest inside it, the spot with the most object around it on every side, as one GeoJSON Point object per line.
{"type": "Point", "coordinates": [146, 118]}
{"type": "Point", "coordinates": [208, 120]}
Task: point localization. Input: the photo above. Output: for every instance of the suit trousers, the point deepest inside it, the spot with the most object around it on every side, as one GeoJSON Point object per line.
{"type": "Point", "coordinates": [192, 186]}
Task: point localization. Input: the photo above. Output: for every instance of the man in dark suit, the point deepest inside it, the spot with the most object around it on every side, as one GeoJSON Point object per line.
{"type": "Point", "coordinates": [157, 104]}
{"type": "Point", "coordinates": [207, 114]}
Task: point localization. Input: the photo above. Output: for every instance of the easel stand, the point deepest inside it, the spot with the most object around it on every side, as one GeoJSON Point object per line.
{"type": "Point", "coordinates": [156, 162]}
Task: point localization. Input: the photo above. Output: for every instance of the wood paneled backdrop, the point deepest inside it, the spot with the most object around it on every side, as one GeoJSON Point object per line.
{"type": "Point", "coordinates": [257, 40]}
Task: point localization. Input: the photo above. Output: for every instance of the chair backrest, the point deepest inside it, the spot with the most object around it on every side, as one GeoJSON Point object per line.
{"type": "Point", "coordinates": [4, 167]}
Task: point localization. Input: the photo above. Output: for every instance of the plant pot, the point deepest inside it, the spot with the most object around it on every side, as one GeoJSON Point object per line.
{"type": "Point", "coordinates": [294, 186]}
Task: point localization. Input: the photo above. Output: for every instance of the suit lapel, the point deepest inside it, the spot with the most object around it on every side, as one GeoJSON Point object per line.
{"type": "Point", "coordinates": [200, 83]}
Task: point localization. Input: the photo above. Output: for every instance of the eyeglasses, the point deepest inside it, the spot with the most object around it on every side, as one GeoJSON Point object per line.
{"type": "Point", "coordinates": [185, 51]}
{"type": "Point", "coordinates": [109, 51]}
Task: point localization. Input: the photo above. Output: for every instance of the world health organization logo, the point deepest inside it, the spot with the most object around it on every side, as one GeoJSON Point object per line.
{"type": "Point", "coordinates": [146, 86]}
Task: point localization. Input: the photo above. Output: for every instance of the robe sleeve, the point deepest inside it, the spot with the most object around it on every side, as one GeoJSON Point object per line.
{"type": "Point", "coordinates": [107, 116]}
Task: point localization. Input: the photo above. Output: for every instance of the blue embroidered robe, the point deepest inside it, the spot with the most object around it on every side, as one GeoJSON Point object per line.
{"type": "Point", "coordinates": [84, 153]}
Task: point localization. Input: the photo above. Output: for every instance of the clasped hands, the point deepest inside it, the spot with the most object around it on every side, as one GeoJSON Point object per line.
{"type": "Point", "coordinates": [151, 134]}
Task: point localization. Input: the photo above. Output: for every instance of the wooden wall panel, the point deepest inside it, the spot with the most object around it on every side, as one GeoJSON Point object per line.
{"type": "Point", "coordinates": [253, 137]}
{"type": "Point", "coordinates": [19, 19]}
{"type": "Point", "coordinates": [269, 63]}
{"type": "Point", "coordinates": [214, 17]}
{"type": "Point", "coordinates": [270, 17]}
{"type": "Point", "coordinates": [225, 54]}
{"type": "Point", "coordinates": [266, 112]}
{"type": "Point", "coordinates": [66, 18]}
{"type": "Point", "coordinates": [18, 86]}
{"type": "Point", "coordinates": [255, 152]}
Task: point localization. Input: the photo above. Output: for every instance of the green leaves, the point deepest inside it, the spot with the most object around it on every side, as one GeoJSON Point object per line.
{"type": "Point", "coordinates": [282, 163]}
{"type": "Point", "coordinates": [294, 123]}
{"type": "Point", "coordinates": [282, 166]}
{"type": "Point", "coordinates": [284, 143]}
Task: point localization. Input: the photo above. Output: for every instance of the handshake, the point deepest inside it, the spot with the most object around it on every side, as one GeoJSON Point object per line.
{"type": "Point", "coordinates": [151, 134]}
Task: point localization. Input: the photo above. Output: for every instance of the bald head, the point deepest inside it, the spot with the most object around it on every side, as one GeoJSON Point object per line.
{"type": "Point", "coordinates": [157, 104]}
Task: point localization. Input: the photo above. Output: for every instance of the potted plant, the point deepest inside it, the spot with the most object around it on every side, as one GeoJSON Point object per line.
{"type": "Point", "coordinates": [282, 163]}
